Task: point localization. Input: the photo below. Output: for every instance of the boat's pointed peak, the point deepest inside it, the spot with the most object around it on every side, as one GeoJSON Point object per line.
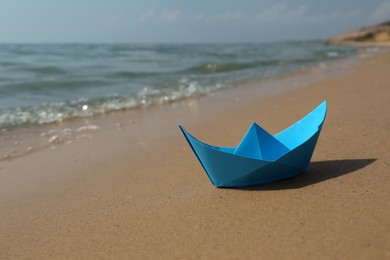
{"type": "Point", "coordinates": [259, 144]}
{"type": "Point", "coordinates": [250, 145]}
{"type": "Point", "coordinates": [259, 130]}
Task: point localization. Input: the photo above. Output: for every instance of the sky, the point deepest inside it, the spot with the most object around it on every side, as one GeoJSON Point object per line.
{"type": "Point", "coordinates": [164, 21]}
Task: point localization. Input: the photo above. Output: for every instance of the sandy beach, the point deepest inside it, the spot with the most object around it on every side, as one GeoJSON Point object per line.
{"type": "Point", "coordinates": [134, 190]}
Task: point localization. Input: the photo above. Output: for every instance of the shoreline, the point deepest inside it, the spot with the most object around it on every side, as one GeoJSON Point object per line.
{"type": "Point", "coordinates": [127, 192]}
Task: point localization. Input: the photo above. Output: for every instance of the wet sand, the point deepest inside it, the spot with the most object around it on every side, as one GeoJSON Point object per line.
{"type": "Point", "coordinates": [133, 189]}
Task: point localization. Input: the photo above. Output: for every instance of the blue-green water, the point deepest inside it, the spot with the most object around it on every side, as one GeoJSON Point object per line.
{"type": "Point", "coordinates": [43, 83]}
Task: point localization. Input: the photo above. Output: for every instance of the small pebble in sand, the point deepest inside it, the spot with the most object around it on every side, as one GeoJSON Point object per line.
{"type": "Point", "coordinates": [55, 139]}
{"type": "Point", "coordinates": [87, 127]}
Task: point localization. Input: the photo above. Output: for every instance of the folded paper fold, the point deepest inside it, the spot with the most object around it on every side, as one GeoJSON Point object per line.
{"type": "Point", "coordinates": [261, 157]}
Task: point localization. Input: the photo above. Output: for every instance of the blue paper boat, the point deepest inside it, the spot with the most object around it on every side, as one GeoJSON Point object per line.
{"type": "Point", "coordinates": [260, 157]}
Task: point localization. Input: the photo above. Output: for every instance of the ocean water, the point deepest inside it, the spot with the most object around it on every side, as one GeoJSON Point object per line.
{"type": "Point", "coordinates": [45, 83]}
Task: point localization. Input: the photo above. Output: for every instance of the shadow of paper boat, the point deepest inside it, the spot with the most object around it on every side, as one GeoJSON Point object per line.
{"type": "Point", "coordinates": [261, 157]}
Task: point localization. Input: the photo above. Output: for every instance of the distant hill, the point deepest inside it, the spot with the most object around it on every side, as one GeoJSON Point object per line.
{"type": "Point", "coordinates": [373, 35]}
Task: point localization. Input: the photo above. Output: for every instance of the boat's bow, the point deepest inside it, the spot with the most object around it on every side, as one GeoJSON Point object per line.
{"type": "Point", "coordinates": [303, 129]}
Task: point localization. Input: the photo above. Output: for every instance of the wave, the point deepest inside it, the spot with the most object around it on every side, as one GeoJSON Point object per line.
{"type": "Point", "coordinates": [46, 70]}
{"type": "Point", "coordinates": [60, 111]}
{"type": "Point", "coordinates": [133, 74]}
{"type": "Point", "coordinates": [210, 68]}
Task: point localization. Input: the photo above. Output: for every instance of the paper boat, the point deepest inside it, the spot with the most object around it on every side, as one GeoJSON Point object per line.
{"type": "Point", "coordinates": [260, 157]}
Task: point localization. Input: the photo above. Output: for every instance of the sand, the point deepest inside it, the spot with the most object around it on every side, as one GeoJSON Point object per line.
{"type": "Point", "coordinates": [134, 190]}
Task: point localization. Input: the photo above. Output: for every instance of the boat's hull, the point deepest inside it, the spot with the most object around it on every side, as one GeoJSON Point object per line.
{"type": "Point", "coordinates": [260, 157]}
{"type": "Point", "coordinates": [229, 170]}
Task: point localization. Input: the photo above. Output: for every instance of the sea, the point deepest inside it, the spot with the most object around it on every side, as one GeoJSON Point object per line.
{"type": "Point", "coordinates": [47, 83]}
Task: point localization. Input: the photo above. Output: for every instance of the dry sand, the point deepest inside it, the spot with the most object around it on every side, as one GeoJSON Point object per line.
{"type": "Point", "coordinates": [139, 192]}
